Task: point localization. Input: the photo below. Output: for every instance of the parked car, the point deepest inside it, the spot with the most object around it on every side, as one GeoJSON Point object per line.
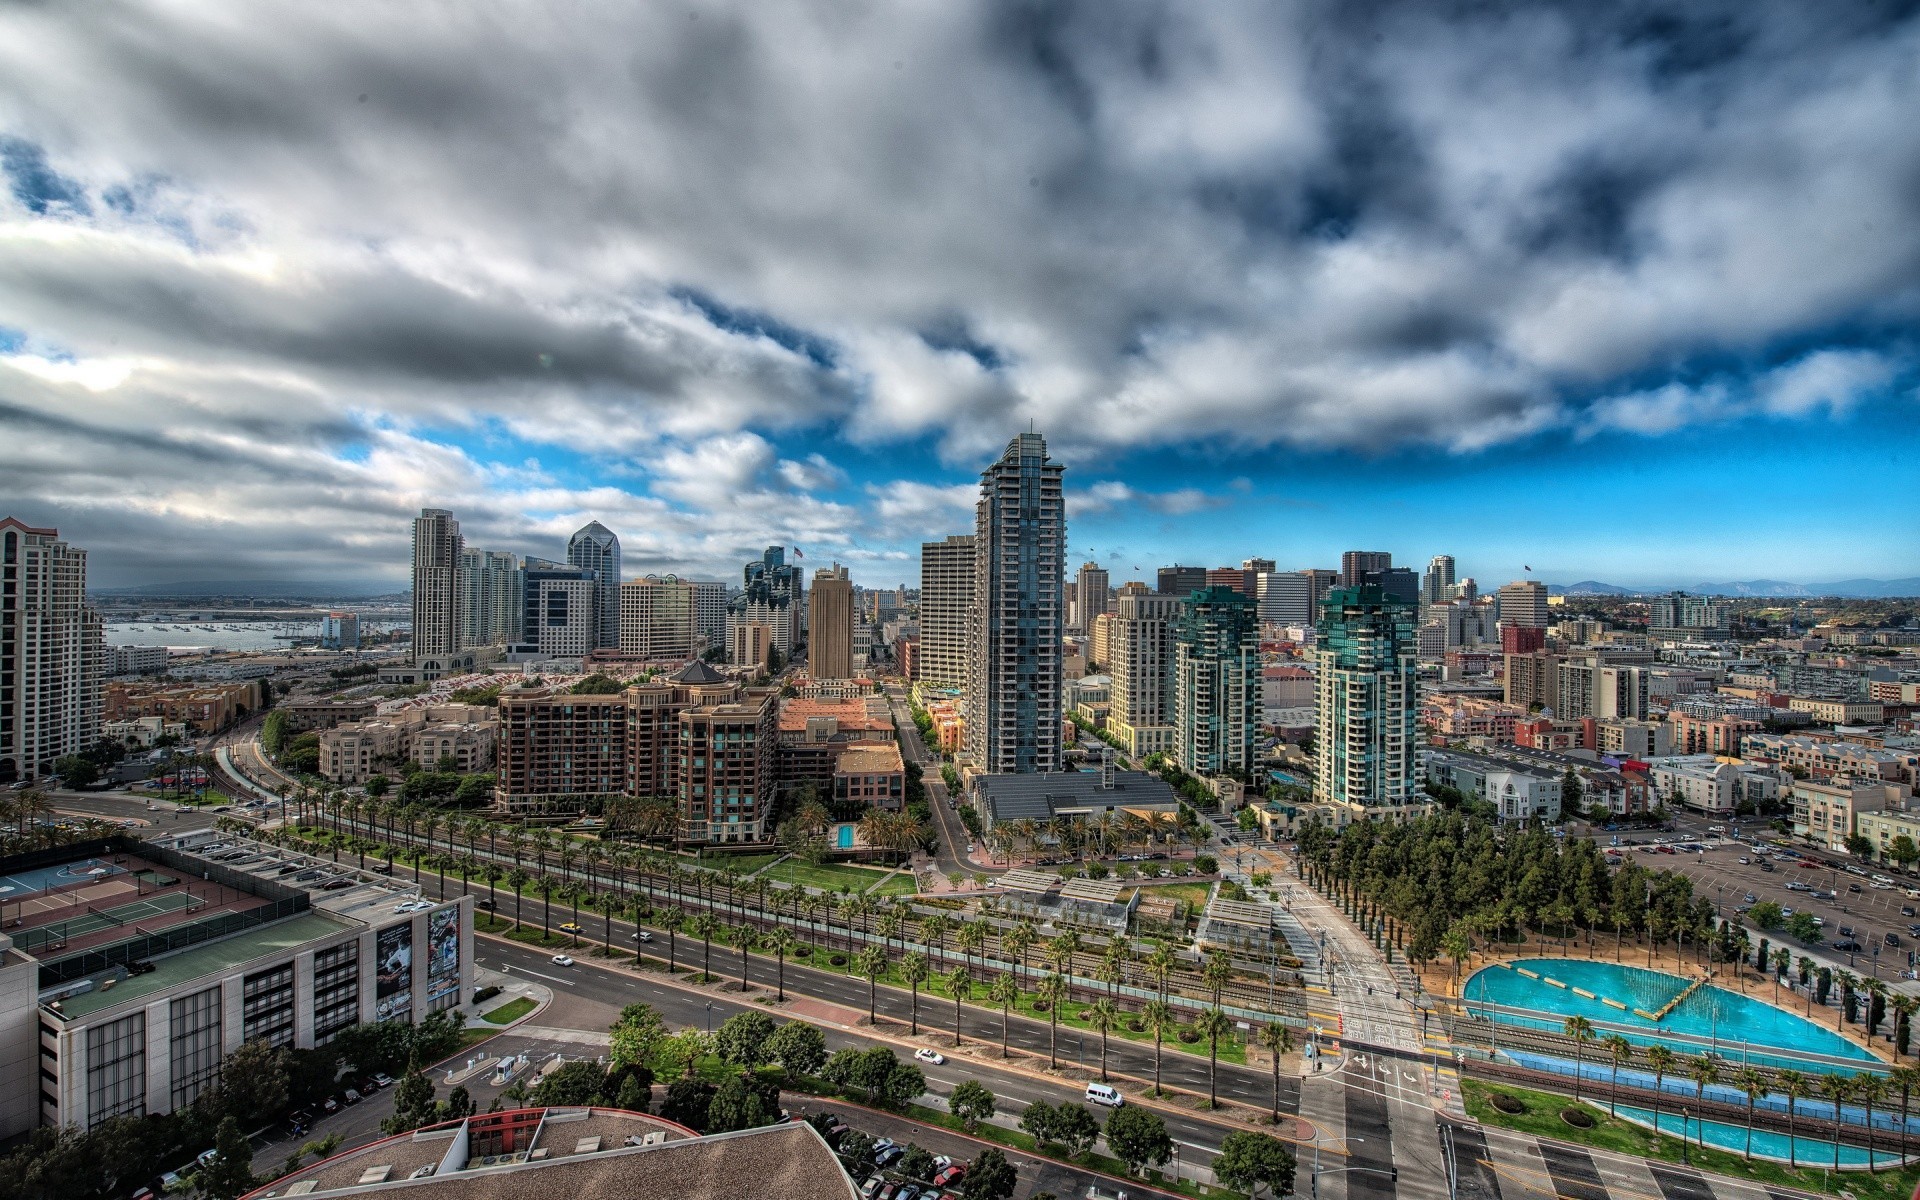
{"type": "Point", "coordinates": [383, 1079]}
{"type": "Point", "coordinates": [1892, 939]}
{"type": "Point", "coordinates": [1847, 946]}
{"type": "Point", "coordinates": [948, 1176]}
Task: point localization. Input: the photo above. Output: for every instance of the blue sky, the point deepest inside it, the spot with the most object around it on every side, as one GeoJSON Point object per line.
{"type": "Point", "coordinates": [1617, 293]}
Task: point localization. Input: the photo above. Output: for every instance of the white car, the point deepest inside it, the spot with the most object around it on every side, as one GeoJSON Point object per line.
{"type": "Point", "coordinates": [927, 1054]}
{"type": "Point", "coordinates": [643, 936]}
{"type": "Point", "coordinates": [562, 960]}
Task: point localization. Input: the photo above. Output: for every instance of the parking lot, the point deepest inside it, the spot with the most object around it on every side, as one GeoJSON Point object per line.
{"type": "Point", "coordinates": [1735, 874]}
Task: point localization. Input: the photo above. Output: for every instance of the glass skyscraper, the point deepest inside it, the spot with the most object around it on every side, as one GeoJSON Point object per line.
{"type": "Point", "coordinates": [1013, 679]}
{"type": "Point", "coordinates": [1217, 682]}
{"type": "Point", "coordinates": [1366, 702]}
{"type": "Point", "coordinates": [593, 547]}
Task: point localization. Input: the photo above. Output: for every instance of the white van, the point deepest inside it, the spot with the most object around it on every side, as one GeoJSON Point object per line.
{"type": "Point", "coordinates": [1100, 1093]}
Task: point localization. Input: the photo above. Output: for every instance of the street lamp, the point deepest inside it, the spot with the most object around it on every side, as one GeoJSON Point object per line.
{"type": "Point", "coordinates": [709, 1018]}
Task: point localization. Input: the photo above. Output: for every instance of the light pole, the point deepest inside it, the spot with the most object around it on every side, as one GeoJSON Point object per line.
{"type": "Point", "coordinates": [709, 1018]}
{"type": "Point", "coordinates": [1315, 1176]}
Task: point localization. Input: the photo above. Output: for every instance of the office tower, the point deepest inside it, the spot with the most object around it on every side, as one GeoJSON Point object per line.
{"type": "Point", "coordinates": [1292, 597]}
{"type": "Point", "coordinates": [340, 631]}
{"type": "Point", "coordinates": [772, 593]}
{"type": "Point", "coordinates": [1234, 579]}
{"type": "Point", "coordinates": [1466, 589]}
{"type": "Point", "coordinates": [1365, 704]}
{"type": "Point", "coordinates": [830, 625]}
{"type": "Point", "coordinates": [1621, 692]}
{"type": "Point", "coordinates": [1437, 587]}
{"type": "Point", "coordinates": [1140, 704]}
{"type": "Point", "coordinates": [490, 590]}
{"type": "Point", "coordinates": [437, 603]}
{"type": "Point", "coordinates": [1399, 583]}
{"type": "Point", "coordinates": [710, 611]}
{"type": "Point", "coordinates": [1355, 564]}
{"type": "Point", "coordinates": [1090, 594]}
{"type": "Point", "coordinates": [1180, 581]}
{"type": "Point", "coordinates": [51, 654]}
{"type": "Point", "coordinates": [946, 596]}
{"type": "Point", "coordinates": [1100, 643]}
{"type": "Point", "coordinates": [1217, 683]}
{"type": "Point", "coordinates": [1014, 659]}
{"type": "Point", "coordinates": [1524, 603]}
{"type": "Point", "coordinates": [558, 616]}
{"type": "Point", "coordinates": [593, 547]}
{"type": "Point", "coordinates": [1258, 566]}
{"type": "Point", "coordinates": [657, 618]}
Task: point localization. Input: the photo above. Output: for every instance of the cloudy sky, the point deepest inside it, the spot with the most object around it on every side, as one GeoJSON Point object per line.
{"type": "Point", "coordinates": [1624, 292]}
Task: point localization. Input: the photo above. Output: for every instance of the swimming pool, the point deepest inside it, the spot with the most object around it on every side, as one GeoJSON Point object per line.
{"type": "Point", "coordinates": [1706, 1014]}
{"type": "Point", "coordinates": [1806, 1151]}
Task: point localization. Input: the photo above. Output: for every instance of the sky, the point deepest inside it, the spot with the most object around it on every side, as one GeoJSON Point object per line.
{"type": "Point", "coordinates": [1616, 292]}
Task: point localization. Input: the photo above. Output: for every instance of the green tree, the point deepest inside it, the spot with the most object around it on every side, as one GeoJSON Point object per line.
{"type": "Point", "coordinates": [1137, 1136]}
{"type": "Point", "coordinates": [76, 771]}
{"type": "Point", "coordinates": [1104, 1015]}
{"type": "Point", "coordinates": [687, 1102]}
{"type": "Point", "coordinates": [1904, 851]}
{"type": "Point", "coordinates": [972, 1102]}
{"type": "Point", "coordinates": [572, 1083]}
{"type": "Point", "coordinates": [742, 1039]}
{"type": "Point", "coordinates": [871, 962]}
{"type": "Point", "coordinates": [413, 1104]}
{"type": "Point", "coordinates": [1277, 1039]}
{"type": "Point", "coordinates": [799, 1048]}
{"type": "Point", "coordinates": [1004, 991]}
{"type": "Point", "coordinates": [1251, 1161]}
{"type": "Point", "coordinates": [734, 1106]}
{"type": "Point", "coordinates": [1766, 915]}
{"type": "Point", "coordinates": [1160, 1018]}
{"type": "Point", "coordinates": [914, 969]}
{"type": "Point", "coordinates": [1859, 845]}
{"type": "Point", "coordinates": [1213, 1025]}
{"type": "Point", "coordinates": [1053, 992]}
{"type": "Point", "coordinates": [231, 1172]}
{"type": "Point", "coordinates": [990, 1177]}
{"type": "Point", "coordinates": [1581, 1031]}
{"type": "Point", "coordinates": [1800, 926]}
{"type": "Point", "coordinates": [636, 1035]}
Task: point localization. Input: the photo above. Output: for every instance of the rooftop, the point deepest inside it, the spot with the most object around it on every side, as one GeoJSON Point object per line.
{"type": "Point", "coordinates": [207, 959]}
{"type": "Point", "coordinates": [867, 759]}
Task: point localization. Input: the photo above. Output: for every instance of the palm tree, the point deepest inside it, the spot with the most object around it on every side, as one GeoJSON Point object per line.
{"type": "Point", "coordinates": [1905, 1078]}
{"type": "Point", "coordinates": [960, 987]}
{"type": "Point", "coordinates": [1017, 941]}
{"type": "Point", "coordinates": [888, 927]}
{"type": "Point", "coordinates": [748, 938]}
{"type": "Point", "coordinates": [1836, 1088]}
{"type": "Point", "coordinates": [517, 879]}
{"type": "Point", "coordinates": [1054, 992]}
{"type": "Point", "coordinates": [935, 929]}
{"type": "Point", "coordinates": [1795, 1087]}
{"type": "Point", "coordinates": [702, 925]}
{"type": "Point", "coordinates": [1870, 1089]}
{"type": "Point", "coordinates": [1216, 972]}
{"type": "Point", "coordinates": [1113, 965]}
{"type": "Point", "coordinates": [1661, 1059]}
{"type": "Point", "coordinates": [1703, 1070]}
{"type": "Point", "coordinates": [1581, 1031]}
{"type": "Point", "coordinates": [1213, 1025]}
{"type": "Point", "coordinates": [1278, 1040]}
{"type": "Point", "coordinates": [671, 919]}
{"type": "Point", "coordinates": [1004, 991]}
{"type": "Point", "coordinates": [914, 969]}
{"type": "Point", "coordinates": [781, 941]}
{"type": "Point", "coordinates": [1621, 1051]}
{"type": "Point", "coordinates": [1160, 967]}
{"type": "Point", "coordinates": [1104, 1015]}
{"type": "Point", "coordinates": [971, 938]}
{"type": "Point", "coordinates": [872, 963]}
{"type": "Point", "coordinates": [1753, 1085]}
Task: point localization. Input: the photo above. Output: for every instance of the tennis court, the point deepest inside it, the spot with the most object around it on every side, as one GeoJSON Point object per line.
{"type": "Point", "coordinates": [41, 880]}
{"type": "Point", "coordinates": [93, 920]}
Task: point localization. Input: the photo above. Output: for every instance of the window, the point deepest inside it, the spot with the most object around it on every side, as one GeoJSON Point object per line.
{"type": "Point", "coordinates": [267, 1008]}
{"type": "Point", "coordinates": [194, 1035]}
{"type": "Point", "coordinates": [117, 1068]}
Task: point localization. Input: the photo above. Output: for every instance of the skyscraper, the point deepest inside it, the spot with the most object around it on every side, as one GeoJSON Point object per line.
{"type": "Point", "coordinates": [1524, 603]}
{"type": "Point", "coordinates": [772, 593]}
{"type": "Point", "coordinates": [340, 631]}
{"type": "Point", "coordinates": [1217, 683]}
{"type": "Point", "coordinates": [1437, 587]}
{"type": "Point", "coordinates": [50, 652]}
{"type": "Point", "coordinates": [438, 606]}
{"type": "Point", "coordinates": [1292, 597]}
{"type": "Point", "coordinates": [1180, 581]}
{"type": "Point", "coordinates": [657, 618]}
{"type": "Point", "coordinates": [1355, 564]}
{"type": "Point", "coordinates": [1090, 594]}
{"type": "Point", "coordinates": [1013, 677]}
{"type": "Point", "coordinates": [593, 547]}
{"type": "Point", "coordinates": [1141, 705]}
{"type": "Point", "coordinates": [490, 598]}
{"type": "Point", "coordinates": [946, 597]}
{"type": "Point", "coordinates": [1365, 703]}
{"type": "Point", "coordinates": [830, 625]}
{"type": "Point", "coordinates": [710, 611]}
{"type": "Point", "coordinates": [558, 615]}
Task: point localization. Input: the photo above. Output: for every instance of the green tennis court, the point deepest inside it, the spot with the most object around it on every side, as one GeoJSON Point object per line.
{"type": "Point", "coordinates": [94, 920]}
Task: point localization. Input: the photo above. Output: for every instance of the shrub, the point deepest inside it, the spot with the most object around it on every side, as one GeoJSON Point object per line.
{"type": "Point", "coordinates": [1512, 1105]}
{"type": "Point", "coordinates": [838, 960]}
{"type": "Point", "coordinates": [802, 951]}
{"type": "Point", "coordinates": [1576, 1118]}
{"type": "Point", "coordinates": [482, 995]}
{"type": "Point", "coordinates": [1205, 864]}
{"type": "Point", "coordinates": [1189, 1037]}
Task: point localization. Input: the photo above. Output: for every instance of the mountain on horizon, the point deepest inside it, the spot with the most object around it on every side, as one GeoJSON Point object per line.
{"type": "Point", "coordinates": [1846, 589]}
{"type": "Point", "coordinates": [277, 589]}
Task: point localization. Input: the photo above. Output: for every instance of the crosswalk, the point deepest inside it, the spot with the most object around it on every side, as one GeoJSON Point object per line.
{"type": "Point", "coordinates": [1500, 1164]}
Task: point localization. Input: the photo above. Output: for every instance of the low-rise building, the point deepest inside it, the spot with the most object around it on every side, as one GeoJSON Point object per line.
{"type": "Point", "coordinates": [814, 734]}
{"type": "Point", "coordinates": [1701, 783]}
{"type": "Point", "coordinates": [304, 716]}
{"type": "Point", "coordinates": [1522, 792]}
{"type": "Point", "coordinates": [1634, 739]}
{"type": "Point", "coordinates": [202, 707]}
{"type": "Point", "coordinates": [1823, 757]}
{"type": "Point", "coordinates": [1691, 733]}
{"type": "Point", "coordinates": [134, 660]}
{"type": "Point", "coordinates": [140, 731]}
{"type": "Point", "coordinates": [1881, 828]}
{"type": "Point", "coordinates": [871, 775]}
{"type": "Point", "coordinates": [1826, 814]}
{"type": "Point", "coordinates": [353, 752]}
{"type": "Point", "coordinates": [1839, 712]}
{"type": "Point", "coordinates": [1042, 797]}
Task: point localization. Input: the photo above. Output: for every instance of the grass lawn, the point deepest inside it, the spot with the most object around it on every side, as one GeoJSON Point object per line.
{"type": "Point", "coordinates": [1542, 1119]}
{"type": "Point", "coordinates": [1194, 894]}
{"type": "Point", "coordinates": [511, 1011]}
{"type": "Point", "coordinates": [746, 864]}
{"type": "Point", "coordinates": [827, 876]}
{"type": "Point", "coordinates": [902, 884]}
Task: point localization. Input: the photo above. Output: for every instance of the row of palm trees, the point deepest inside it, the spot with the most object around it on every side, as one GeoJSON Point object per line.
{"type": "Point", "coordinates": [1869, 1089]}
{"type": "Point", "coordinates": [1090, 837]}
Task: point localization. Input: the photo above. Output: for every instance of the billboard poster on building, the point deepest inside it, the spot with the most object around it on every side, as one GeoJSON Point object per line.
{"type": "Point", "coordinates": [393, 961]}
{"type": "Point", "coordinates": [443, 942]}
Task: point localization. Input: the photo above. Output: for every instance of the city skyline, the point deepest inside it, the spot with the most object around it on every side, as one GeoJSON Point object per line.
{"type": "Point", "coordinates": [259, 311]}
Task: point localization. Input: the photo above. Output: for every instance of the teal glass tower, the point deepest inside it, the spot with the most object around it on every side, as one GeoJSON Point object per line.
{"type": "Point", "coordinates": [1365, 704]}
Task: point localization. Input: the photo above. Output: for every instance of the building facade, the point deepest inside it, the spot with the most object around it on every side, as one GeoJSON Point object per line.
{"type": "Point", "coordinates": [1217, 683]}
{"type": "Point", "coordinates": [490, 585]}
{"type": "Point", "coordinates": [340, 631]}
{"type": "Point", "coordinates": [438, 608]}
{"type": "Point", "coordinates": [1014, 661]}
{"type": "Point", "coordinates": [51, 652]}
{"type": "Point", "coordinates": [710, 611]}
{"type": "Point", "coordinates": [830, 625]}
{"type": "Point", "coordinates": [1292, 597]}
{"type": "Point", "coordinates": [1091, 594]}
{"type": "Point", "coordinates": [1366, 704]}
{"type": "Point", "coordinates": [1523, 603]}
{"type": "Point", "coordinates": [558, 617]}
{"type": "Point", "coordinates": [772, 593]}
{"type": "Point", "coordinates": [657, 619]}
{"type": "Point", "coordinates": [946, 597]}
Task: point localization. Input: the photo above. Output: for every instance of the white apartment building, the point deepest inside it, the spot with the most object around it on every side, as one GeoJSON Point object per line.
{"type": "Point", "coordinates": [50, 652]}
{"type": "Point", "coordinates": [1702, 784]}
{"type": "Point", "coordinates": [1140, 709]}
{"type": "Point", "coordinates": [1827, 813]}
{"type": "Point", "coordinates": [710, 611]}
{"type": "Point", "coordinates": [946, 594]}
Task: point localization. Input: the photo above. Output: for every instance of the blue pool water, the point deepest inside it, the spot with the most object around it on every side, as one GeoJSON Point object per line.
{"type": "Point", "coordinates": [1806, 1151]}
{"type": "Point", "coordinates": [1708, 1012]}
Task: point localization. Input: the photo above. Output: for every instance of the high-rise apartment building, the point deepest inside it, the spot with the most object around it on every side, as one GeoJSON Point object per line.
{"type": "Point", "coordinates": [1532, 679]}
{"type": "Point", "coordinates": [1292, 597]}
{"type": "Point", "coordinates": [1140, 709]}
{"type": "Point", "coordinates": [438, 608]}
{"type": "Point", "coordinates": [946, 597]}
{"type": "Point", "coordinates": [657, 618]}
{"type": "Point", "coordinates": [1217, 683]}
{"type": "Point", "coordinates": [772, 593]}
{"type": "Point", "coordinates": [593, 547]}
{"type": "Point", "coordinates": [490, 585]}
{"type": "Point", "coordinates": [1013, 677]}
{"type": "Point", "coordinates": [1365, 703]}
{"type": "Point", "coordinates": [1523, 603]}
{"type": "Point", "coordinates": [340, 631]}
{"type": "Point", "coordinates": [1180, 581]}
{"type": "Point", "coordinates": [710, 611]}
{"type": "Point", "coordinates": [830, 625]}
{"type": "Point", "coordinates": [1091, 592]}
{"type": "Point", "coordinates": [558, 617]}
{"type": "Point", "coordinates": [51, 655]}
{"type": "Point", "coordinates": [1437, 587]}
{"type": "Point", "coordinates": [1355, 565]}
{"type": "Point", "coordinates": [1680, 617]}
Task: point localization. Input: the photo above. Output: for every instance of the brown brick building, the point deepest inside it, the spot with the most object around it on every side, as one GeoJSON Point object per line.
{"type": "Point", "coordinates": [202, 707]}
